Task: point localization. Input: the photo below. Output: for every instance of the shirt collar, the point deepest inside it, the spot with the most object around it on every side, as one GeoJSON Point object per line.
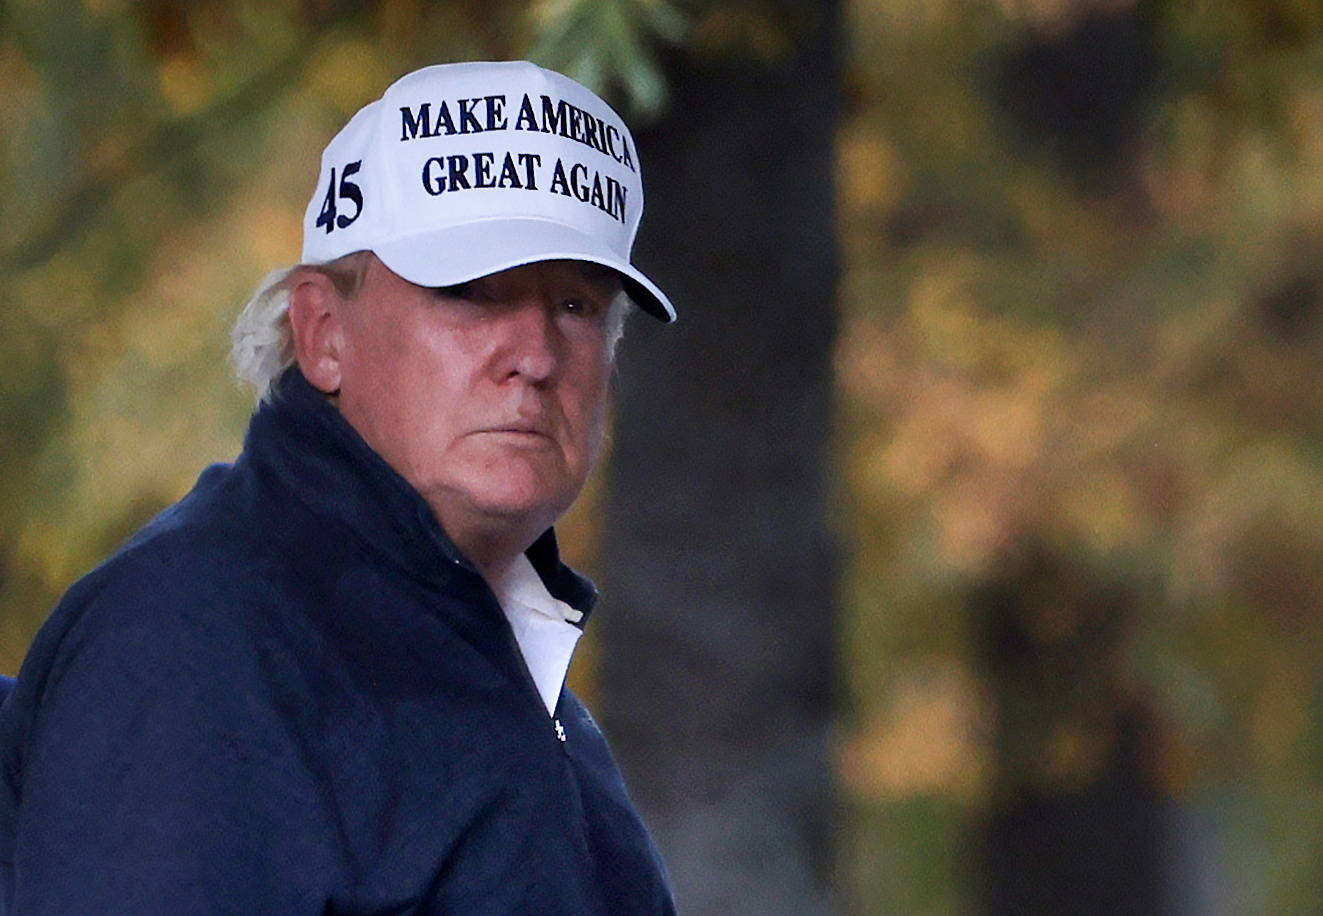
{"type": "Point", "coordinates": [522, 586]}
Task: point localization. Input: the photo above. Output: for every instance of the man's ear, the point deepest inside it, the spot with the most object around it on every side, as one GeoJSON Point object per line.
{"type": "Point", "coordinates": [316, 326]}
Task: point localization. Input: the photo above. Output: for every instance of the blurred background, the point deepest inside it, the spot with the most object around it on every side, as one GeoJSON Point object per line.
{"type": "Point", "coordinates": [963, 542]}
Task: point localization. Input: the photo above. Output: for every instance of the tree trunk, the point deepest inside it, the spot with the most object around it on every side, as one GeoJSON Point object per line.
{"type": "Point", "coordinates": [718, 625]}
{"type": "Point", "coordinates": [1077, 821]}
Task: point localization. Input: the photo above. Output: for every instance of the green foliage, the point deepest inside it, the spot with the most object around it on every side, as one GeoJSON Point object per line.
{"type": "Point", "coordinates": [925, 875]}
{"type": "Point", "coordinates": [606, 44]}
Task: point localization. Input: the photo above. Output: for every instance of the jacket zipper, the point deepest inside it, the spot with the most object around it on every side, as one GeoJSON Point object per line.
{"type": "Point", "coordinates": [557, 729]}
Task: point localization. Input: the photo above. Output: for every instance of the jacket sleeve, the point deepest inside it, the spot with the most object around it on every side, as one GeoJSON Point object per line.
{"type": "Point", "coordinates": [161, 770]}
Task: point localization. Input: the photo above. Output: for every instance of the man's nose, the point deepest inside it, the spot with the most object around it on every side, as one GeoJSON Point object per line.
{"type": "Point", "coordinates": [532, 342]}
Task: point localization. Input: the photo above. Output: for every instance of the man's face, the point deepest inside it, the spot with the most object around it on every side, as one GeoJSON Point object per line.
{"type": "Point", "coordinates": [490, 397]}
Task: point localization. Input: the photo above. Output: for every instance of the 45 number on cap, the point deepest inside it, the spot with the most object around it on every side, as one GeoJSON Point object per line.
{"type": "Point", "coordinates": [345, 190]}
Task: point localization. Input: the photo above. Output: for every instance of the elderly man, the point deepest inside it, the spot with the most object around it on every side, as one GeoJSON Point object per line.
{"type": "Point", "coordinates": [331, 678]}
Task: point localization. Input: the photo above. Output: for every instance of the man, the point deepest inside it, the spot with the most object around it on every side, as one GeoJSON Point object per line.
{"type": "Point", "coordinates": [331, 678]}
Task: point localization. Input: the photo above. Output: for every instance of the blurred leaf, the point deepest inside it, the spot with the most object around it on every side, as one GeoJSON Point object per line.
{"type": "Point", "coordinates": [607, 45]}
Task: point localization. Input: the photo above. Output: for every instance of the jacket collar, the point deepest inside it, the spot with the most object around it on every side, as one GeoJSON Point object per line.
{"type": "Point", "coordinates": [302, 441]}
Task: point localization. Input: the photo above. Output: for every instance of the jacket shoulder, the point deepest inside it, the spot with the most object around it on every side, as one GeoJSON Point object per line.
{"type": "Point", "coordinates": [195, 587]}
{"type": "Point", "coordinates": [148, 722]}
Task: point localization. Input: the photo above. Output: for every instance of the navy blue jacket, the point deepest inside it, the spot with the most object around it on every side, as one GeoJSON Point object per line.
{"type": "Point", "coordinates": [291, 694]}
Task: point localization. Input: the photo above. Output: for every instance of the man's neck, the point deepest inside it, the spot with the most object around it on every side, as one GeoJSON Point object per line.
{"type": "Point", "coordinates": [491, 547]}
{"type": "Point", "coordinates": [496, 570]}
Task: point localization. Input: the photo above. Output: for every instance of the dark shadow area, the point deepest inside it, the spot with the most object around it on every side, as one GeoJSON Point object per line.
{"type": "Point", "coordinates": [1080, 94]}
{"type": "Point", "coordinates": [1076, 823]}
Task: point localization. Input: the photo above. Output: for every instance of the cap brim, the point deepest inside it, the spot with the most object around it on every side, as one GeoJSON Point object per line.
{"type": "Point", "coordinates": [457, 254]}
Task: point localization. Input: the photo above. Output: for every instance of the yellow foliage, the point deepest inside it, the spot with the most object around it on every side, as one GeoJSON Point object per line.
{"type": "Point", "coordinates": [870, 174]}
{"type": "Point", "coordinates": [927, 741]}
{"type": "Point", "coordinates": [183, 84]}
{"type": "Point", "coordinates": [348, 74]}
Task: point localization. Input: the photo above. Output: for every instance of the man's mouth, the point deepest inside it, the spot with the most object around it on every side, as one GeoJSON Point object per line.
{"type": "Point", "coordinates": [518, 429]}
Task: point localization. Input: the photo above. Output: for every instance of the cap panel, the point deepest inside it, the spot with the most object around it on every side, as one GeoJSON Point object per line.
{"type": "Point", "coordinates": [465, 146]}
{"type": "Point", "coordinates": [346, 213]}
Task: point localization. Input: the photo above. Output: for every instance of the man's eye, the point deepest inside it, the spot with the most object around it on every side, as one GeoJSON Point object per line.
{"type": "Point", "coordinates": [581, 307]}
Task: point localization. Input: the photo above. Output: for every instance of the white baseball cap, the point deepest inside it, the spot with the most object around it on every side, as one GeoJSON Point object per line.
{"type": "Point", "coordinates": [463, 170]}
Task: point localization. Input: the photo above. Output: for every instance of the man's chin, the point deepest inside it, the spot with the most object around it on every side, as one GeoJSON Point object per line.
{"type": "Point", "coordinates": [520, 505]}
{"type": "Point", "coordinates": [524, 499]}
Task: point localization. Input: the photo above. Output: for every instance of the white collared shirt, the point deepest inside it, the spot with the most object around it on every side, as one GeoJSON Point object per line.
{"type": "Point", "coordinates": [543, 627]}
